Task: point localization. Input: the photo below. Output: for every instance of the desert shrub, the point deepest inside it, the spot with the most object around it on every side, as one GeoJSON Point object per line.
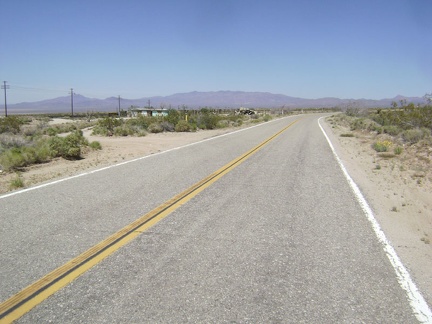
{"type": "Point", "coordinates": [392, 130]}
{"type": "Point", "coordinates": [66, 128]}
{"type": "Point", "coordinates": [398, 150]}
{"type": "Point", "coordinates": [102, 131]}
{"type": "Point", "coordinates": [207, 120]}
{"type": "Point", "coordinates": [352, 111]}
{"type": "Point", "coordinates": [68, 147]}
{"type": "Point", "coordinates": [32, 131]}
{"type": "Point", "coordinates": [167, 126]}
{"type": "Point", "coordinates": [183, 126]}
{"type": "Point", "coordinates": [237, 122]}
{"type": "Point", "coordinates": [375, 127]}
{"type": "Point", "coordinates": [95, 145]}
{"type": "Point", "coordinates": [381, 146]}
{"type": "Point", "coordinates": [141, 121]}
{"type": "Point", "coordinates": [406, 117]}
{"type": "Point", "coordinates": [19, 157]}
{"type": "Point", "coordinates": [51, 131]}
{"type": "Point", "coordinates": [356, 124]}
{"type": "Point", "coordinates": [415, 135]}
{"type": "Point", "coordinates": [155, 128]}
{"type": "Point", "coordinates": [43, 151]}
{"type": "Point", "coordinates": [12, 159]}
{"type": "Point", "coordinates": [10, 124]}
{"type": "Point", "coordinates": [105, 126]}
{"type": "Point", "coordinates": [123, 130]}
{"type": "Point", "coordinates": [173, 117]}
{"type": "Point", "coordinates": [267, 117]}
{"type": "Point", "coordinates": [223, 123]}
{"type": "Point", "coordinates": [11, 140]}
{"type": "Point", "coordinates": [17, 182]}
{"type": "Point", "coordinates": [140, 132]}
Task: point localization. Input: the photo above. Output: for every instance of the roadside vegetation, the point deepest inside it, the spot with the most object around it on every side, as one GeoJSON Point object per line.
{"type": "Point", "coordinates": [401, 136]}
{"type": "Point", "coordinates": [30, 140]}
{"type": "Point", "coordinates": [175, 121]}
{"type": "Point", "coordinates": [25, 141]}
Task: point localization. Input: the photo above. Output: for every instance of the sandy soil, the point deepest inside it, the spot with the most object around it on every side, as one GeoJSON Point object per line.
{"type": "Point", "coordinates": [399, 189]}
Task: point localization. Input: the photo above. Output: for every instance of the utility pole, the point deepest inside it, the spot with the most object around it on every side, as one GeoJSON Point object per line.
{"type": "Point", "coordinates": [4, 86]}
{"type": "Point", "coordinates": [72, 93]}
{"type": "Point", "coordinates": [119, 106]}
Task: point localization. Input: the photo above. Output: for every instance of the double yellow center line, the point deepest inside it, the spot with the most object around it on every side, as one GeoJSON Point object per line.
{"type": "Point", "coordinates": [29, 297]}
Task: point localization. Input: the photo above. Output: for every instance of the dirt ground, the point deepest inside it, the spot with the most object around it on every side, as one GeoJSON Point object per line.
{"type": "Point", "coordinates": [399, 189]}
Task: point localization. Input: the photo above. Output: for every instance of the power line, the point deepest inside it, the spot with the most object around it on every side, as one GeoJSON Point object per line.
{"type": "Point", "coordinates": [37, 89]}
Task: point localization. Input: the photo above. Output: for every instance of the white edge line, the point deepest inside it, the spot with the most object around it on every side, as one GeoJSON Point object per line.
{"type": "Point", "coordinates": [418, 303]}
{"type": "Point", "coordinates": [130, 161]}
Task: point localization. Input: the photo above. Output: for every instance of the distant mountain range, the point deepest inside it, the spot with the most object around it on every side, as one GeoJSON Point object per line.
{"type": "Point", "coordinates": [195, 100]}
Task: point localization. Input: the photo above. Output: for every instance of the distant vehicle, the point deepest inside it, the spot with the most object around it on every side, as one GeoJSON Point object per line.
{"type": "Point", "coordinates": [245, 111]}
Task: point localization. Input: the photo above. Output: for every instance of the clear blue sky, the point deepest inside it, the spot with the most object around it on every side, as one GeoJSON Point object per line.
{"type": "Point", "coordinates": [137, 48]}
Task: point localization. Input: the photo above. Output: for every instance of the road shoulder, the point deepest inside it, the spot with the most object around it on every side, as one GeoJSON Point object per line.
{"type": "Point", "coordinates": [401, 206]}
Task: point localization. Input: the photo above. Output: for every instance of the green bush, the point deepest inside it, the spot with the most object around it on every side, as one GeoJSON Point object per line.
{"type": "Point", "coordinates": [10, 124]}
{"type": "Point", "coordinates": [415, 135]}
{"type": "Point", "coordinates": [51, 131]}
{"type": "Point", "coordinates": [183, 126]}
{"type": "Point", "coordinates": [267, 117]}
{"type": "Point", "coordinates": [12, 159]}
{"type": "Point", "coordinates": [358, 124]}
{"type": "Point", "coordinates": [382, 146]}
{"type": "Point", "coordinates": [95, 145]}
{"type": "Point", "coordinates": [207, 119]}
{"type": "Point", "coordinates": [155, 128]}
{"type": "Point", "coordinates": [223, 123]}
{"type": "Point", "coordinates": [398, 150]}
{"type": "Point", "coordinates": [68, 147]}
{"type": "Point", "coordinates": [17, 182]}
{"type": "Point", "coordinates": [99, 130]}
{"type": "Point", "coordinates": [106, 126]}
{"type": "Point", "coordinates": [173, 117]}
{"type": "Point", "coordinates": [124, 130]}
{"type": "Point", "coordinates": [19, 157]}
{"type": "Point", "coordinates": [392, 130]}
{"type": "Point", "coordinates": [141, 122]}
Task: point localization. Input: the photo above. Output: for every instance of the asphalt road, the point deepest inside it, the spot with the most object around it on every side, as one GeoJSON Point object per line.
{"type": "Point", "coordinates": [279, 239]}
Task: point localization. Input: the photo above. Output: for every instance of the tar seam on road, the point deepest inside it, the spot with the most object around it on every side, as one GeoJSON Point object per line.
{"type": "Point", "coordinates": [21, 303]}
{"type": "Point", "coordinates": [418, 303]}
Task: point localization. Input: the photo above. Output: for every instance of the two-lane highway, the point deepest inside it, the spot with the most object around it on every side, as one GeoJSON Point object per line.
{"type": "Point", "coordinates": [275, 234]}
